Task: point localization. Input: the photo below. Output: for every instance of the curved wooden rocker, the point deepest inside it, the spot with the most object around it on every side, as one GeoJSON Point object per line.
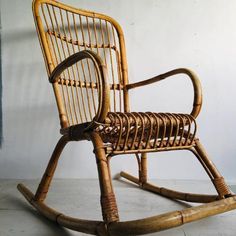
{"type": "Point", "coordinates": [85, 58]}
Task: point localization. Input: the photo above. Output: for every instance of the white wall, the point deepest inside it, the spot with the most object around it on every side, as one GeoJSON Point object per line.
{"type": "Point", "coordinates": [160, 35]}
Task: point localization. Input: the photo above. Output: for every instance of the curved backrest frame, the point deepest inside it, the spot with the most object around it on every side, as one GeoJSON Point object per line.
{"type": "Point", "coordinates": [50, 62]}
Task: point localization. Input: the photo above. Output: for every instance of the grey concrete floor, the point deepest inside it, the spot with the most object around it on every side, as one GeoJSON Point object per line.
{"type": "Point", "coordinates": [80, 198]}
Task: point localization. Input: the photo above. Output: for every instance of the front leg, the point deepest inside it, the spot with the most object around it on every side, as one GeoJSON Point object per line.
{"type": "Point", "coordinates": [108, 200]}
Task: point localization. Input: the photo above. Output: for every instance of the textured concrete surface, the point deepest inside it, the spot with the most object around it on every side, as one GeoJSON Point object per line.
{"type": "Point", "coordinates": [80, 198]}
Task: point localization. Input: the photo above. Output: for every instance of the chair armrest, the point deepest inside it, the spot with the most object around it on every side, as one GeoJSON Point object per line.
{"type": "Point", "coordinates": [197, 103]}
{"type": "Point", "coordinates": [103, 85]}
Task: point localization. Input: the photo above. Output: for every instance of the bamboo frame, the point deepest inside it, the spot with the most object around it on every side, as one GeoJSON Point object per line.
{"type": "Point", "coordinates": [85, 58]}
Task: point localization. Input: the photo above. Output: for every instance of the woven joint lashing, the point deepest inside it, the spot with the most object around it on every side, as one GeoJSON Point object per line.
{"type": "Point", "coordinates": [147, 130]}
{"type": "Point", "coordinates": [109, 208]}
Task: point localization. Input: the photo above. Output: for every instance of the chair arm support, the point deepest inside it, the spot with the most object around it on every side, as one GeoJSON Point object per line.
{"type": "Point", "coordinates": [103, 85]}
{"type": "Point", "coordinates": [197, 103]}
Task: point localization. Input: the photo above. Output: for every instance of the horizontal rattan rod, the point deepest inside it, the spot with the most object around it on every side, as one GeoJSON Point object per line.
{"type": "Point", "coordinates": [76, 42]}
{"type": "Point", "coordinates": [159, 149]}
{"type": "Point", "coordinates": [82, 84]}
{"type": "Point", "coordinates": [189, 197]}
{"type": "Point", "coordinates": [197, 103]}
{"type": "Point", "coordinates": [85, 226]}
{"type": "Point", "coordinates": [171, 219]}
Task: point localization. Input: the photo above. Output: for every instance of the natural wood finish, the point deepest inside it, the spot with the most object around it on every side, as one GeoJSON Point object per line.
{"type": "Point", "coordinates": [44, 185]}
{"type": "Point", "coordinates": [143, 173]}
{"type": "Point", "coordinates": [108, 201]}
{"type": "Point", "coordinates": [188, 197]}
{"type": "Point", "coordinates": [135, 227]}
{"type": "Point", "coordinates": [85, 226]}
{"type": "Point", "coordinates": [217, 179]}
{"type": "Point", "coordinates": [197, 104]}
{"type": "Point", "coordinates": [171, 219]}
{"type": "Point", "coordinates": [102, 81]}
{"type": "Point", "coordinates": [85, 58]}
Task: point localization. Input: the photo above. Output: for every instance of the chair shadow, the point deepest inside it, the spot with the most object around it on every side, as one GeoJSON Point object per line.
{"type": "Point", "coordinates": [181, 203]}
{"type": "Point", "coordinates": [54, 229]}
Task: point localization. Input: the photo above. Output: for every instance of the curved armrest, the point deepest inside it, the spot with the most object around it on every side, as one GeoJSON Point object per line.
{"type": "Point", "coordinates": [103, 85]}
{"type": "Point", "coordinates": [197, 103]}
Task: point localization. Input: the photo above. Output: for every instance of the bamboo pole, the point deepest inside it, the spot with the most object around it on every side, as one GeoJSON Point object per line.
{"type": "Point", "coordinates": [81, 225]}
{"type": "Point", "coordinates": [134, 227]}
{"type": "Point", "coordinates": [169, 193]}
{"type": "Point", "coordinates": [171, 219]}
{"type": "Point", "coordinates": [44, 185]}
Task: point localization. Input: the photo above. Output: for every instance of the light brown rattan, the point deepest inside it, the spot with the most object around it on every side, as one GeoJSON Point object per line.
{"type": "Point", "coordinates": [85, 58]}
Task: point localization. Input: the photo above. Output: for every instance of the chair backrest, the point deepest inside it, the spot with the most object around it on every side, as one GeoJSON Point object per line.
{"type": "Point", "coordinates": [63, 31]}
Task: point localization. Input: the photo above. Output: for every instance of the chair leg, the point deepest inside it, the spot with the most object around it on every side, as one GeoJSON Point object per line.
{"type": "Point", "coordinates": [43, 187]}
{"type": "Point", "coordinates": [108, 200]}
{"type": "Point", "coordinates": [143, 169]}
{"type": "Point", "coordinates": [111, 224]}
{"type": "Point", "coordinates": [217, 179]}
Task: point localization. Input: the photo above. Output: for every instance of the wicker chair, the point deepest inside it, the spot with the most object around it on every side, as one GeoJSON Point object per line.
{"type": "Point", "coordinates": [85, 58]}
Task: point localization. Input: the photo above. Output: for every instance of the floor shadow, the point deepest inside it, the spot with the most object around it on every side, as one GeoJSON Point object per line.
{"type": "Point", "coordinates": [54, 229]}
{"type": "Point", "coordinates": [127, 184]}
{"type": "Point", "coordinates": [181, 203]}
{"type": "Point", "coordinates": [233, 188]}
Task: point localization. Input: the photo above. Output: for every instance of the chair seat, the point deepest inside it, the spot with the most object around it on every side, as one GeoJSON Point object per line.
{"type": "Point", "coordinates": [147, 130]}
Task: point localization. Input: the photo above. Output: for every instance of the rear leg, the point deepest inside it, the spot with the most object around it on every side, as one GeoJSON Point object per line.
{"type": "Point", "coordinates": [108, 200]}
{"type": "Point", "coordinates": [44, 185]}
{"type": "Point", "coordinates": [142, 168]}
{"type": "Point", "coordinates": [198, 150]}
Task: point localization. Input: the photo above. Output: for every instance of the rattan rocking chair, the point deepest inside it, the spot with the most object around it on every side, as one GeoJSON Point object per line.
{"type": "Point", "coordinates": [85, 58]}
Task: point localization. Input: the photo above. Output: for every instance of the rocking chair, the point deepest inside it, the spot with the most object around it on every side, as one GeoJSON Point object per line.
{"type": "Point", "coordinates": [86, 63]}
